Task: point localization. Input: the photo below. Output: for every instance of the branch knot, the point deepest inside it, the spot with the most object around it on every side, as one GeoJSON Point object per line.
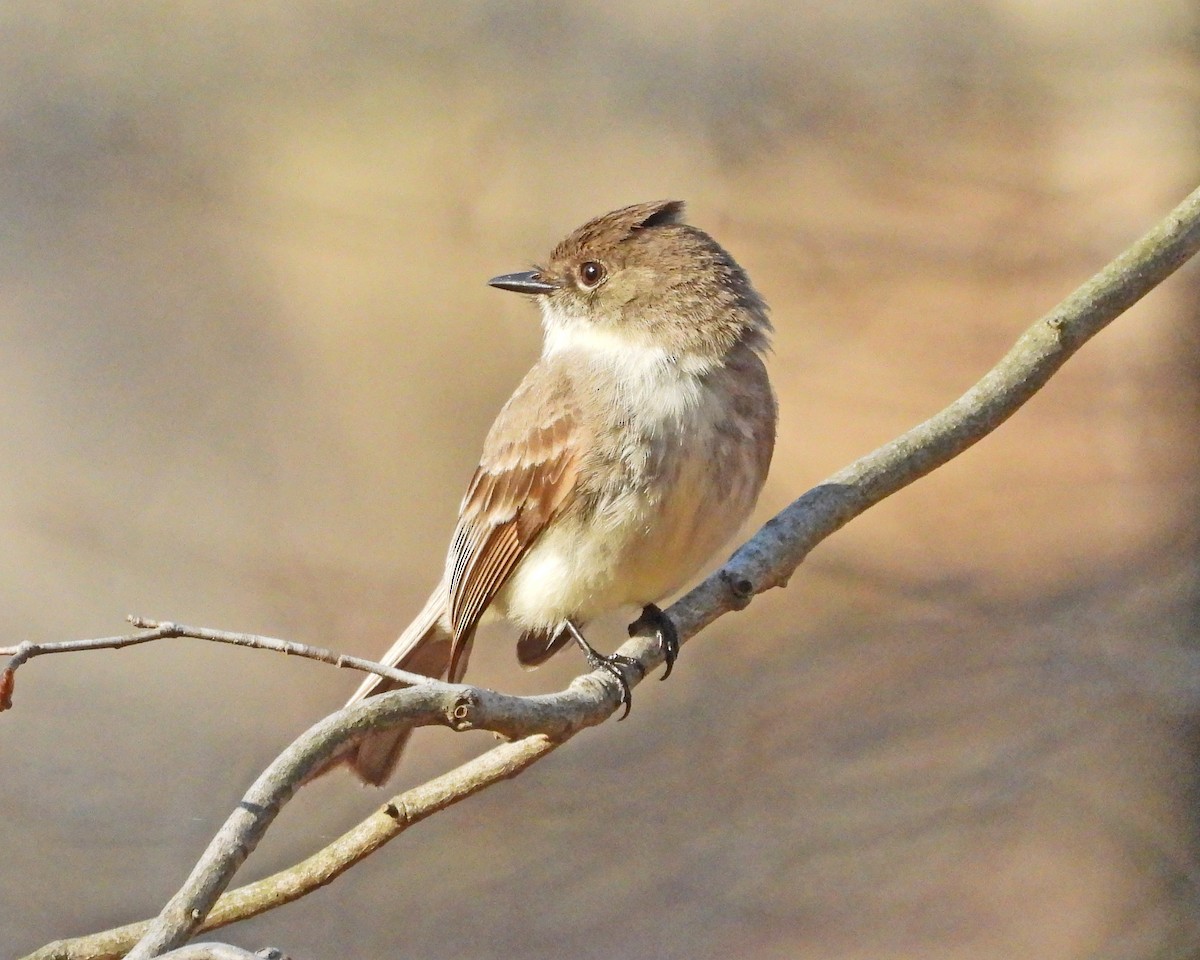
{"type": "Point", "coordinates": [462, 711]}
{"type": "Point", "coordinates": [741, 589]}
{"type": "Point", "coordinates": [397, 811]}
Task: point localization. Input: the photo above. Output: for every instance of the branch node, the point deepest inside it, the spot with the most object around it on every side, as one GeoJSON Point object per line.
{"type": "Point", "coordinates": [396, 811]}
{"type": "Point", "coordinates": [462, 711]}
{"type": "Point", "coordinates": [741, 589]}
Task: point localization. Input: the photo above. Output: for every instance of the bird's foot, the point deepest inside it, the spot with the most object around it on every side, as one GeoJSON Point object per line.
{"type": "Point", "coordinates": [661, 625]}
{"type": "Point", "coordinates": [610, 664]}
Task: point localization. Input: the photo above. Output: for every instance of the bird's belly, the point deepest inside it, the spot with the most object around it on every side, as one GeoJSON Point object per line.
{"type": "Point", "coordinates": [637, 547]}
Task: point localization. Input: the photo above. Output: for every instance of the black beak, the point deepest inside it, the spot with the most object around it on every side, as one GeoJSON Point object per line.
{"type": "Point", "coordinates": [530, 282]}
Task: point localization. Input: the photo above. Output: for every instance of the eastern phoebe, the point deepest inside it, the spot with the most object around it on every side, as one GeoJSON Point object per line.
{"type": "Point", "coordinates": [630, 453]}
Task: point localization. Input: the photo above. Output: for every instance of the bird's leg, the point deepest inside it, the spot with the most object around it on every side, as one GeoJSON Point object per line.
{"type": "Point", "coordinates": [663, 627]}
{"type": "Point", "coordinates": [612, 663]}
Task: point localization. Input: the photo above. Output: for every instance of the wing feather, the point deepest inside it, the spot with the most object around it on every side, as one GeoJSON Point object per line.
{"type": "Point", "coordinates": [525, 478]}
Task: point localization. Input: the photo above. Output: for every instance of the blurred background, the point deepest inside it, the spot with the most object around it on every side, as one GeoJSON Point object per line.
{"type": "Point", "coordinates": [247, 357]}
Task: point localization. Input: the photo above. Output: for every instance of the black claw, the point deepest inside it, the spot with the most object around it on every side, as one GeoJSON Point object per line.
{"type": "Point", "coordinates": [653, 618]}
{"type": "Point", "coordinates": [612, 664]}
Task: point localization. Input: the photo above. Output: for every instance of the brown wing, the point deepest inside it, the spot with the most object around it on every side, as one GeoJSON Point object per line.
{"type": "Point", "coordinates": [525, 477]}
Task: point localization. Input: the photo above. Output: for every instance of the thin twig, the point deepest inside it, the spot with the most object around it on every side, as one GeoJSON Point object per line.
{"type": "Point", "coordinates": [166, 629]}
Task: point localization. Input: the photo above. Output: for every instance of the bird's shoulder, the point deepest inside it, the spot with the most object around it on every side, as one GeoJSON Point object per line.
{"type": "Point", "coordinates": [530, 459]}
{"type": "Point", "coordinates": [540, 421]}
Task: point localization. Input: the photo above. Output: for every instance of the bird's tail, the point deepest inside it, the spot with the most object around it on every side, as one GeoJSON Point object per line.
{"type": "Point", "coordinates": [423, 648]}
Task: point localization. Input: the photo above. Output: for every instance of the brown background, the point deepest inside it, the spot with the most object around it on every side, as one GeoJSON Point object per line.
{"type": "Point", "coordinates": [247, 356]}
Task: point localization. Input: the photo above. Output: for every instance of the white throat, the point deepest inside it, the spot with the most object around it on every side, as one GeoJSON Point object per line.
{"type": "Point", "coordinates": [567, 332]}
{"type": "Point", "coordinates": [659, 383]}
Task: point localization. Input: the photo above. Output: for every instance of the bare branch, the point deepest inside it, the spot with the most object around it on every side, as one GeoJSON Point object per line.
{"type": "Point", "coordinates": [765, 561]}
{"type": "Point", "coordinates": [165, 630]}
{"type": "Point", "coordinates": [770, 557]}
{"type": "Point", "coordinates": [386, 823]}
{"type": "Point", "coordinates": [554, 718]}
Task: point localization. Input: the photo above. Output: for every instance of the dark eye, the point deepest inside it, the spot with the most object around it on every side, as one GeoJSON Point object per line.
{"type": "Point", "coordinates": [591, 273]}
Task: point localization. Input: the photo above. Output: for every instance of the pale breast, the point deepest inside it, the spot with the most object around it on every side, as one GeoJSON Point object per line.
{"type": "Point", "coordinates": [672, 486]}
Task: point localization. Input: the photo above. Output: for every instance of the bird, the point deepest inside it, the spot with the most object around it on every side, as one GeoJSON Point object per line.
{"type": "Point", "coordinates": [632, 451]}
